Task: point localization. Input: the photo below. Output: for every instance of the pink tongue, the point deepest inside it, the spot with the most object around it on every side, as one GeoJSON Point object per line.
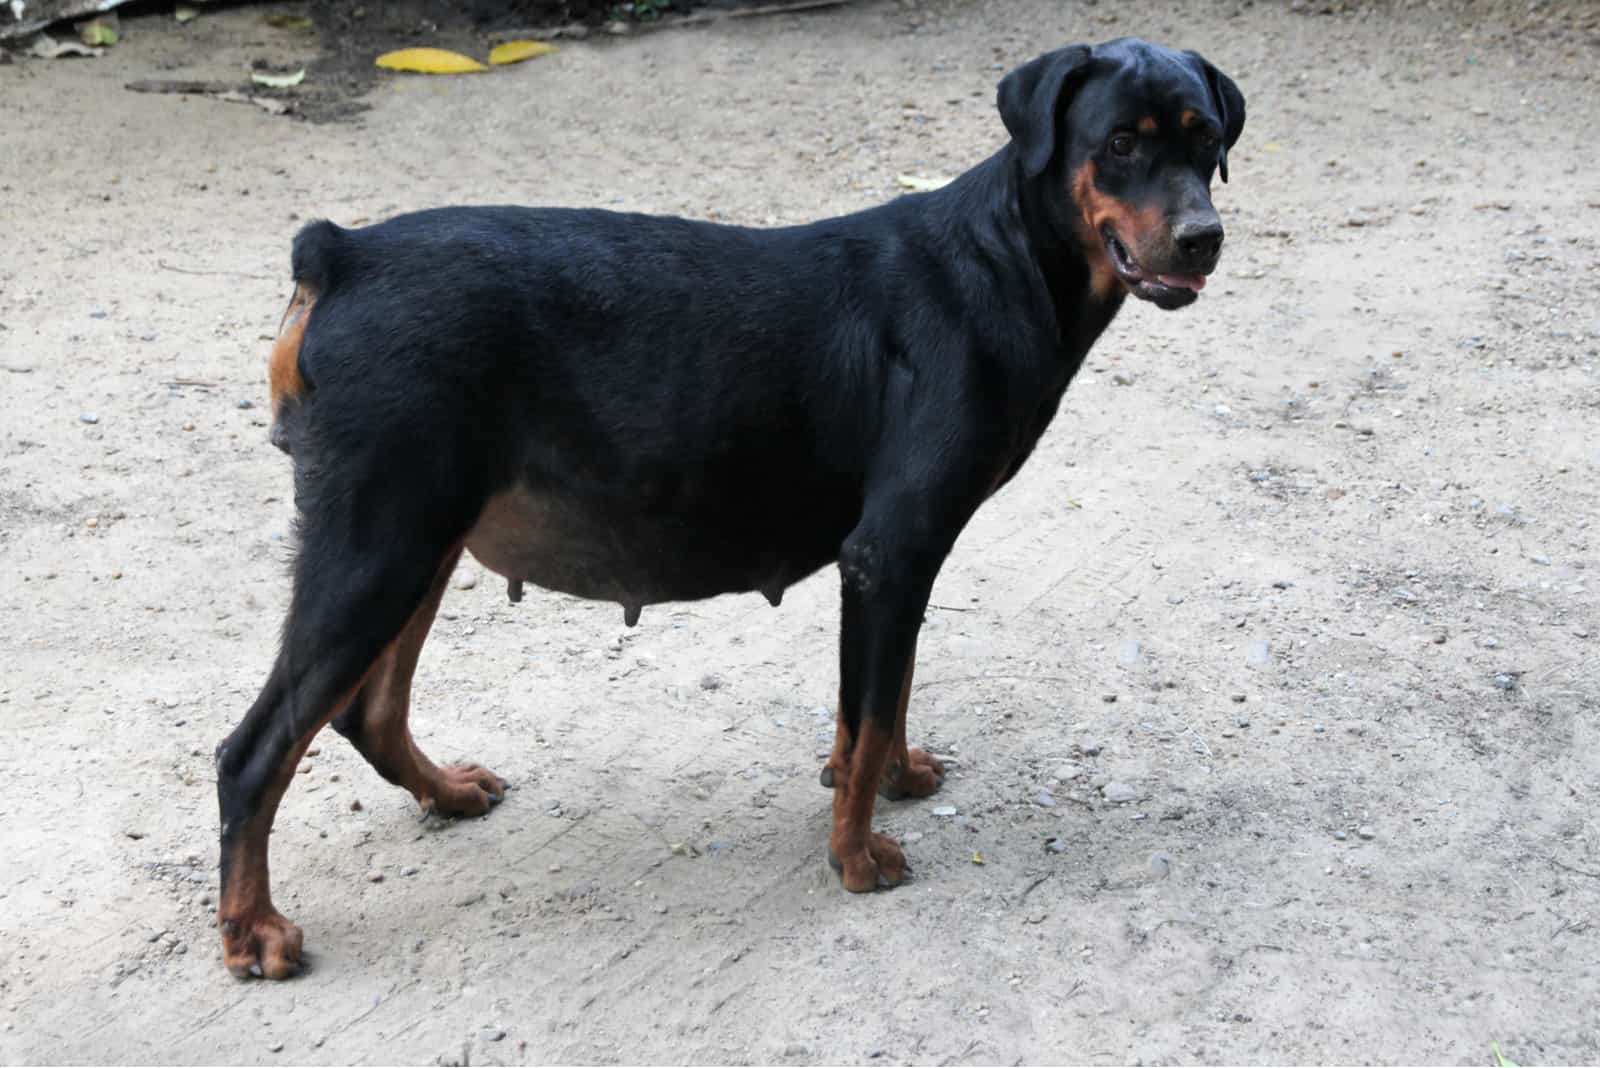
{"type": "Point", "coordinates": [1196, 282]}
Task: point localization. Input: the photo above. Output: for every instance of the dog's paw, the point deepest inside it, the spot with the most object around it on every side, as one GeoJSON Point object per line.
{"type": "Point", "coordinates": [877, 865]}
{"type": "Point", "coordinates": [462, 790]}
{"type": "Point", "coordinates": [920, 776]}
{"type": "Point", "coordinates": [265, 946]}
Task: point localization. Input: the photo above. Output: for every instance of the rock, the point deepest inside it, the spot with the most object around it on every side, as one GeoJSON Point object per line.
{"type": "Point", "coordinates": [1089, 748]}
{"type": "Point", "coordinates": [467, 580]}
{"type": "Point", "coordinates": [1174, 598]}
{"type": "Point", "coordinates": [1506, 680]}
{"type": "Point", "coordinates": [155, 935]}
{"type": "Point", "coordinates": [355, 805]}
{"type": "Point", "coordinates": [1539, 558]}
{"type": "Point", "coordinates": [1258, 653]}
{"type": "Point", "coordinates": [1239, 698]}
{"type": "Point", "coordinates": [1056, 845]}
{"type": "Point", "coordinates": [275, 1047]}
{"type": "Point", "coordinates": [679, 849]}
{"type": "Point", "coordinates": [1122, 378]}
{"type": "Point", "coordinates": [1044, 800]}
{"type": "Point", "coordinates": [1068, 772]}
{"type": "Point", "coordinates": [1109, 698]}
{"type": "Point", "coordinates": [409, 870]}
{"type": "Point", "coordinates": [1119, 793]}
{"type": "Point", "coordinates": [1339, 836]}
{"type": "Point", "coordinates": [1128, 653]}
{"type": "Point", "coordinates": [944, 810]}
{"type": "Point", "coordinates": [472, 897]}
{"type": "Point", "coordinates": [374, 876]}
{"type": "Point", "coordinates": [245, 404]}
{"type": "Point", "coordinates": [711, 682]}
{"type": "Point", "coordinates": [492, 1034]}
{"type": "Point", "coordinates": [89, 417]}
{"type": "Point", "coordinates": [1366, 832]}
{"type": "Point", "coordinates": [1404, 596]}
{"type": "Point", "coordinates": [1160, 865]}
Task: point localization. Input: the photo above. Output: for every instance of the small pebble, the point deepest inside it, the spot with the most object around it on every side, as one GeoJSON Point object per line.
{"type": "Point", "coordinates": [1238, 698]}
{"type": "Point", "coordinates": [276, 1047]}
{"type": "Point", "coordinates": [1109, 698]}
{"type": "Point", "coordinates": [246, 404]}
{"type": "Point", "coordinates": [467, 580]}
{"type": "Point", "coordinates": [1505, 680]}
{"type": "Point", "coordinates": [1160, 865]}
{"type": "Point", "coordinates": [89, 417]}
{"type": "Point", "coordinates": [1258, 653]}
{"type": "Point", "coordinates": [1128, 653]}
{"type": "Point", "coordinates": [1044, 800]}
{"type": "Point", "coordinates": [408, 870]}
{"type": "Point", "coordinates": [711, 682]}
{"type": "Point", "coordinates": [944, 810]}
{"type": "Point", "coordinates": [1089, 748]}
{"type": "Point", "coordinates": [374, 876]}
{"type": "Point", "coordinates": [1174, 598]}
{"type": "Point", "coordinates": [492, 1034]}
{"type": "Point", "coordinates": [1119, 792]}
{"type": "Point", "coordinates": [1056, 845]}
{"type": "Point", "coordinates": [355, 806]}
{"type": "Point", "coordinates": [1366, 832]}
{"type": "Point", "coordinates": [1339, 836]}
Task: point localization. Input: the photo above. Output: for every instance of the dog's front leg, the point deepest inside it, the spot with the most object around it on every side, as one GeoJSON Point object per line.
{"type": "Point", "coordinates": [886, 576]}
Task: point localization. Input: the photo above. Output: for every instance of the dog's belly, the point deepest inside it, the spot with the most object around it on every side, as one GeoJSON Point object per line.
{"type": "Point", "coordinates": [635, 558]}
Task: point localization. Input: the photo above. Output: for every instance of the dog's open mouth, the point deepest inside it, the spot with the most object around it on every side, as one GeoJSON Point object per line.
{"type": "Point", "coordinates": [1165, 290]}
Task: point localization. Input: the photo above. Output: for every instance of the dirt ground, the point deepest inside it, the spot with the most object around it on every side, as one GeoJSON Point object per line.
{"type": "Point", "coordinates": [1303, 576]}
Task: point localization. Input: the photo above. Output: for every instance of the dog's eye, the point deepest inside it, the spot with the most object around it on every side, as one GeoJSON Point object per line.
{"type": "Point", "coordinates": [1123, 144]}
{"type": "Point", "coordinates": [1208, 142]}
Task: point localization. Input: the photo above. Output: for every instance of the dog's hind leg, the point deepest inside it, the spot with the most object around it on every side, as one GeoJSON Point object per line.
{"type": "Point", "coordinates": [376, 723]}
{"type": "Point", "coordinates": [370, 553]}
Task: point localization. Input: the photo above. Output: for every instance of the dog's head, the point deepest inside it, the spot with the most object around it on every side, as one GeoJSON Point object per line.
{"type": "Point", "coordinates": [1127, 135]}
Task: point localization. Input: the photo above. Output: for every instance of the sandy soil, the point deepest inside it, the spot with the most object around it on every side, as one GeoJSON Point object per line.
{"type": "Point", "coordinates": [1307, 570]}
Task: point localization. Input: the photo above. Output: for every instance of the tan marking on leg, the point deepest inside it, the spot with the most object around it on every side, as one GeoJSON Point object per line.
{"type": "Point", "coordinates": [864, 858]}
{"type": "Point", "coordinates": [1149, 125]}
{"type": "Point", "coordinates": [908, 772]}
{"type": "Point", "coordinates": [385, 731]}
{"type": "Point", "coordinates": [254, 933]}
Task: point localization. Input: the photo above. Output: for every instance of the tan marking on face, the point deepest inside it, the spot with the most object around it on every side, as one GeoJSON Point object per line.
{"type": "Point", "coordinates": [1190, 118]}
{"type": "Point", "coordinates": [283, 366]}
{"type": "Point", "coordinates": [1149, 125]}
{"type": "Point", "coordinates": [1135, 227]}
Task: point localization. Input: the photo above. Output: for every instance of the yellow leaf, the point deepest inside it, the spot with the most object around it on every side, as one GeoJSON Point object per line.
{"type": "Point", "coordinates": [919, 184]}
{"type": "Point", "coordinates": [99, 31]}
{"type": "Point", "coordinates": [977, 858]}
{"type": "Point", "coordinates": [429, 61]}
{"type": "Point", "coordinates": [1272, 146]}
{"type": "Point", "coordinates": [185, 12]}
{"type": "Point", "coordinates": [517, 51]}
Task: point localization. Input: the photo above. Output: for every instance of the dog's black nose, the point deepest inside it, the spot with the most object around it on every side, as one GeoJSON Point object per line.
{"type": "Point", "coordinates": [1199, 239]}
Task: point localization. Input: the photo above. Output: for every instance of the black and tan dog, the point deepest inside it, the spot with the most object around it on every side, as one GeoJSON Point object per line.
{"type": "Point", "coordinates": [643, 409]}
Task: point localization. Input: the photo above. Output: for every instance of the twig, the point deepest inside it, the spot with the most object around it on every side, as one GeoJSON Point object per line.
{"type": "Point", "coordinates": [981, 678]}
{"type": "Point", "coordinates": [183, 86]}
{"type": "Point", "coordinates": [1575, 871]}
{"type": "Point", "coordinates": [228, 274]}
{"type": "Point", "coordinates": [198, 383]}
{"type": "Point", "coordinates": [1034, 886]}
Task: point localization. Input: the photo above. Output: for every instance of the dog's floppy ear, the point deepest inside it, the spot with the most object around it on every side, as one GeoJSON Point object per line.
{"type": "Point", "coordinates": [1031, 98]}
{"type": "Point", "coordinates": [1230, 108]}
